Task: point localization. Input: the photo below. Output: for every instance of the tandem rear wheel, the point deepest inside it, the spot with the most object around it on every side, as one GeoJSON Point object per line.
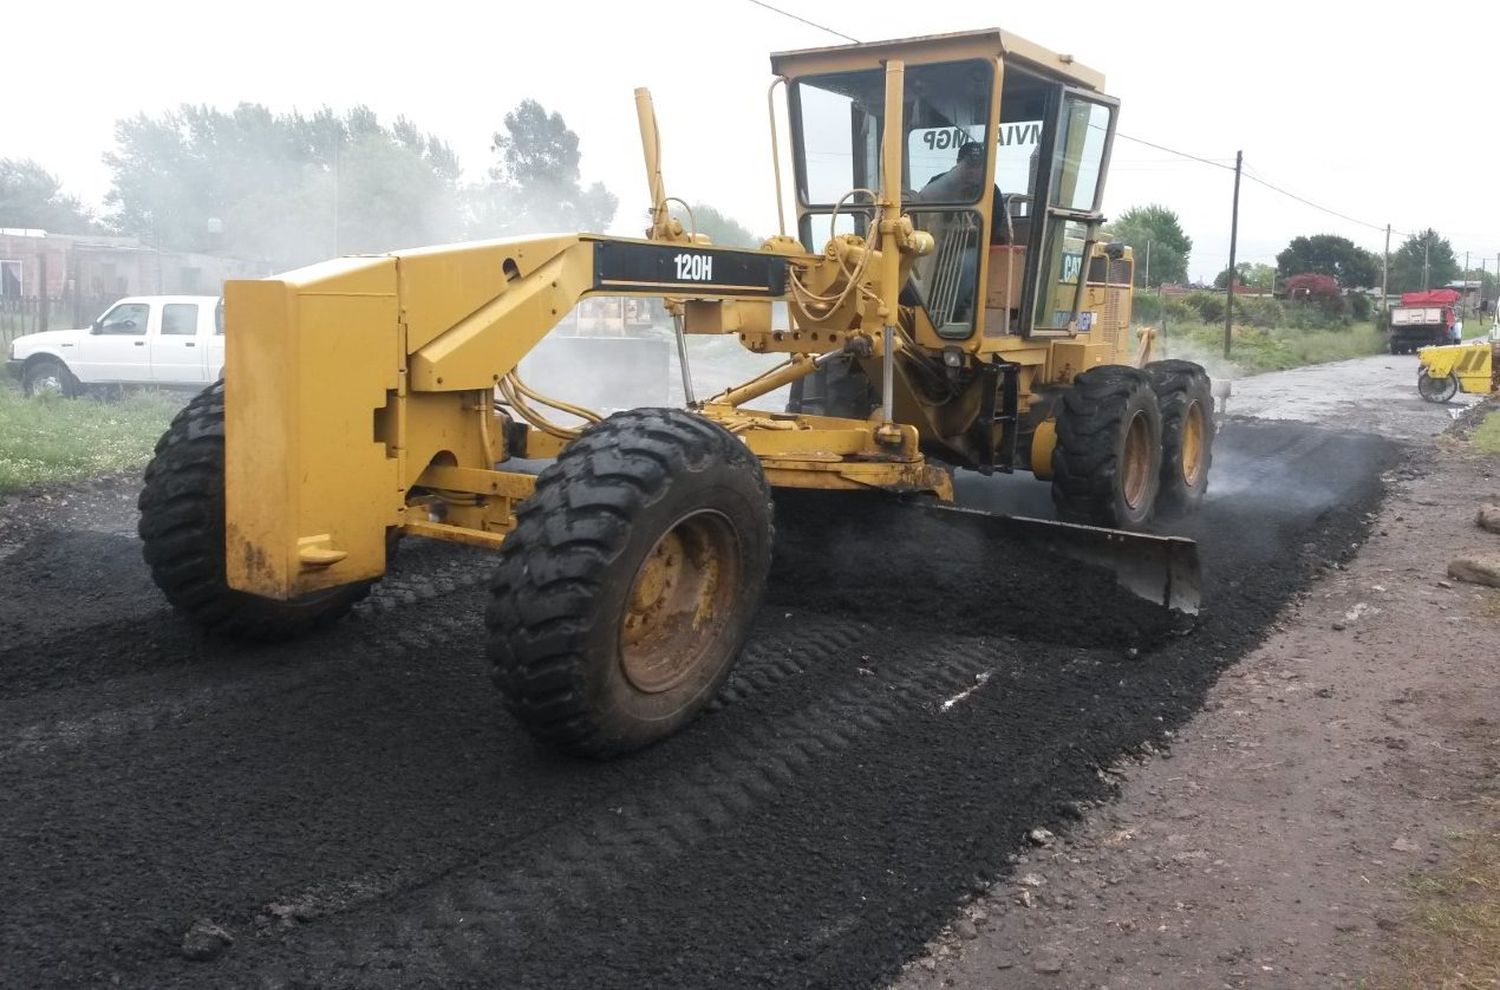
{"type": "Point", "coordinates": [1133, 444]}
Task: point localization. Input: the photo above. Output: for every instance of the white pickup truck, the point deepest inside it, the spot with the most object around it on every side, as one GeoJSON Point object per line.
{"type": "Point", "coordinates": [162, 341]}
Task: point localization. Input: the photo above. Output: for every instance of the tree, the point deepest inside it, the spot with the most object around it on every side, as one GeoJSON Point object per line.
{"type": "Point", "coordinates": [1262, 277]}
{"type": "Point", "coordinates": [535, 186]}
{"type": "Point", "coordinates": [1170, 247]}
{"type": "Point", "coordinates": [721, 230]}
{"type": "Point", "coordinates": [283, 187]}
{"type": "Point", "coordinates": [1407, 263]}
{"type": "Point", "coordinates": [1311, 285]}
{"type": "Point", "coordinates": [1328, 254]}
{"type": "Point", "coordinates": [32, 197]}
{"type": "Point", "coordinates": [1241, 272]}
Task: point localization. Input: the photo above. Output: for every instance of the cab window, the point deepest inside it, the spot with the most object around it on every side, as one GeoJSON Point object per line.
{"type": "Point", "coordinates": [126, 319]}
{"type": "Point", "coordinates": [179, 319]}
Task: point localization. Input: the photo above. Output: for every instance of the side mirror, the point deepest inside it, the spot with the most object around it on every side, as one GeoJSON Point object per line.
{"type": "Point", "coordinates": [96, 327]}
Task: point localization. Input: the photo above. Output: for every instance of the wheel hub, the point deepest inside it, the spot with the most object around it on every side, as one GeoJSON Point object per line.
{"type": "Point", "coordinates": [1192, 445]}
{"type": "Point", "coordinates": [679, 602]}
{"type": "Point", "coordinates": [1136, 466]}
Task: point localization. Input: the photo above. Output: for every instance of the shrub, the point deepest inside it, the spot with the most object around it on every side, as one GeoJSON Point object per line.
{"type": "Point", "coordinates": [1210, 307]}
{"type": "Point", "coordinates": [1259, 312]}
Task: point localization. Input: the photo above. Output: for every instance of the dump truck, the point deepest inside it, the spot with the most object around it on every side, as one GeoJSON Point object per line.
{"type": "Point", "coordinates": [987, 328]}
{"type": "Point", "coordinates": [1424, 319]}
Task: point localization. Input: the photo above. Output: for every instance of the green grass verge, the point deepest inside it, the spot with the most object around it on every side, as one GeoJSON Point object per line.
{"type": "Point", "coordinates": [1487, 436]}
{"type": "Point", "coordinates": [1253, 349]}
{"type": "Point", "coordinates": [1451, 938]}
{"type": "Point", "coordinates": [52, 440]}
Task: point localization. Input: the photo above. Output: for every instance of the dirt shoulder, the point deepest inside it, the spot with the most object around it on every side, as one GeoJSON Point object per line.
{"type": "Point", "coordinates": [1271, 844]}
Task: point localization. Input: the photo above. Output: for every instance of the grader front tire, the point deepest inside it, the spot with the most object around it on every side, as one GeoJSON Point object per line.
{"type": "Point", "coordinates": [1106, 466]}
{"type": "Point", "coordinates": [626, 590]}
{"type": "Point", "coordinates": [182, 528]}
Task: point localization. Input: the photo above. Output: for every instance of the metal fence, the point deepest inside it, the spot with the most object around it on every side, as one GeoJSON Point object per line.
{"type": "Point", "coordinates": [32, 314]}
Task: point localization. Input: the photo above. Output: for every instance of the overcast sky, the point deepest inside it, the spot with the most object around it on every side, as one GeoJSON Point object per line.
{"type": "Point", "coordinates": [1385, 120]}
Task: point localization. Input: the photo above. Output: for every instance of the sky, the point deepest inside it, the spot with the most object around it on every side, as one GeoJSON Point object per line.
{"type": "Point", "coordinates": [1383, 121]}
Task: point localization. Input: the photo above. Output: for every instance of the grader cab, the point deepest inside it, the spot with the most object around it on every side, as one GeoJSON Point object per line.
{"type": "Point", "coordinates": [950, 305]}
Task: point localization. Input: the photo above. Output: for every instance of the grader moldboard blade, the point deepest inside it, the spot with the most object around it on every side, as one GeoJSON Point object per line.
{"type": "Point", "coordinates": [1162, 570]}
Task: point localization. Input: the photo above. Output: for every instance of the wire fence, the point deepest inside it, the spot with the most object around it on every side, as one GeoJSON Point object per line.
{"type": "Point", "coordinates": [20, 315]}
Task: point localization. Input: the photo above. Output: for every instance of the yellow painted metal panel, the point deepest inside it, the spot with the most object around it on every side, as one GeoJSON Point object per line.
{"type": "Point", "coordinates": [309, 360]}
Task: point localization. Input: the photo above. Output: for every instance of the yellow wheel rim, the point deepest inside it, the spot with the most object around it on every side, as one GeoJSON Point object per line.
{"type": "Point", "coordinates": [1193, 432]}
{"type": "Point", "coordinates": [681, 600]}
{"type": "Point", "coordinates": [1137, 461]}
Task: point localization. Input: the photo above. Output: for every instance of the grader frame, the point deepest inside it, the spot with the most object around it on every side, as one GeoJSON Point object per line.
{"type": "Point", "coordinates": [406, 350]}
{"type": "Point", "coordinates": [368, 398]}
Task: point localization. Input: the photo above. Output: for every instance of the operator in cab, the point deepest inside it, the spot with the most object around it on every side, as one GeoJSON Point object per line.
{"type": "Point", "coordinates": [962, 184]}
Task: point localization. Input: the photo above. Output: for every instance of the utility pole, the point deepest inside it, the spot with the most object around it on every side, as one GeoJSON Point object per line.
{"type": "Point", "coordinates": [1385, 272]}
{"type": "Point", "coordinates": [1234, 235]}
{"type": "Point", "coordinates": [1148, 264]}
{"type": "Point", "coordinates": [1426, 253]}
{"type": "Point", "coordinates": [336, 142]}
{"type": "Point", "coordinates": [1464, 299]}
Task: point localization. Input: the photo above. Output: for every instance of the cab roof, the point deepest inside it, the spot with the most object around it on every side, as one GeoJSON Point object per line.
{"type": "Point", "coordinates": [991, 43]}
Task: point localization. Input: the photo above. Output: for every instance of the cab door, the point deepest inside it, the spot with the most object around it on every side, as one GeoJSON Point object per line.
{"type": "Point", "coordinates": [118, 346]}
{"type": "Point", "coordinates": [179, 351]}
{"type": "Point", "coordinates": [1076, 144]}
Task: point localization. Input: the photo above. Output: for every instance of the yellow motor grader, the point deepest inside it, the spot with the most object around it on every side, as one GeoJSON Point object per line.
{"type": "Point", "coordinates": [950, 305]}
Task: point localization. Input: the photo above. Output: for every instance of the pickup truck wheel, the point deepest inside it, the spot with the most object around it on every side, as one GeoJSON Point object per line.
{"type": "Point", "coordinates": [182, 527]}
{"type": "Point", "coordinates": [49, 376]}
{"type": "Point", "coordinates": [626, 590]}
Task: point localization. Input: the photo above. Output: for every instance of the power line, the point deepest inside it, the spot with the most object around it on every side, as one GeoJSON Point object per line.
{"type": "Point", "coordinates": [1170, 151]}
{"type": "Point", "coordinates": [820, 27]}
{"type": "Point", "coordinates": [1317, 206]}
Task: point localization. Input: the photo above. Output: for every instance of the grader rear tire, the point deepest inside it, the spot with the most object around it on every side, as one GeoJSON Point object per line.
{"type": "Point", "coordinates": [182, 528]}
{"type": "Point", "coordinates": [1186, 400]}
{"type": "Point", "coordinates": [626, 590]}
{"type": "Point", "coordinates": [1106, 467]}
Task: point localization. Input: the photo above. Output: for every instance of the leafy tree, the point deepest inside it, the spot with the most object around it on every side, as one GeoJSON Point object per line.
{"type": "Point", "coordinates": [1170, 247]}
{"type": "Point", "coordinates": [1262, 277]}
{"type": "Point", "coordinates": [1328, 254]}
{"type": "Point", "coordinates": [1406, 263]}
{"type": "Point", "coordinates": [1241, 272]}
{"type": "Point", "coordinates": [535, 186]}
{"type": "Point", "coordinates": [1311, 286]}
{"type": "Point", "coordinates": [721, 230]}
{"type": "Point", "coordinates": [30, 196]}
{"type": "Point", "coordinates": [284, 187]}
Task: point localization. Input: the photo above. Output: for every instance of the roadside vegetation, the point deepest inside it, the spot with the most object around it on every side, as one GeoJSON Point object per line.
{"type": "Point", "coordinates": [1487, 437]}
{"type": "Point", "coordinates": [48, 441]}
{"type": "Point", "coordinates": [1451, 938]}
{"type": "Point", "coordinates": [1268, 334]}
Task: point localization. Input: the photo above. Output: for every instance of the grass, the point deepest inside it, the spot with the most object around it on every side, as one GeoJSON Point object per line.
{"type": "Point", "coordinates": [1254, 350]}
{"type": "Point", "coordinates": [1486, 437]}
{"type": "Point", "coordinates": [1451, 939]}
{"type": "Point", "coordinates": [52, 440]}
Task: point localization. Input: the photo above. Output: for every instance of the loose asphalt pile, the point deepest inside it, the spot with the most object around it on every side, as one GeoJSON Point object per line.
{"type": "Point", "coordinates": [356, 809]}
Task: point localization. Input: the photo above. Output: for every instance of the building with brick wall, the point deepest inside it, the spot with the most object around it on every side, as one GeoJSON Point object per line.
{"type": "Point", "coordinates": [35, 263]}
